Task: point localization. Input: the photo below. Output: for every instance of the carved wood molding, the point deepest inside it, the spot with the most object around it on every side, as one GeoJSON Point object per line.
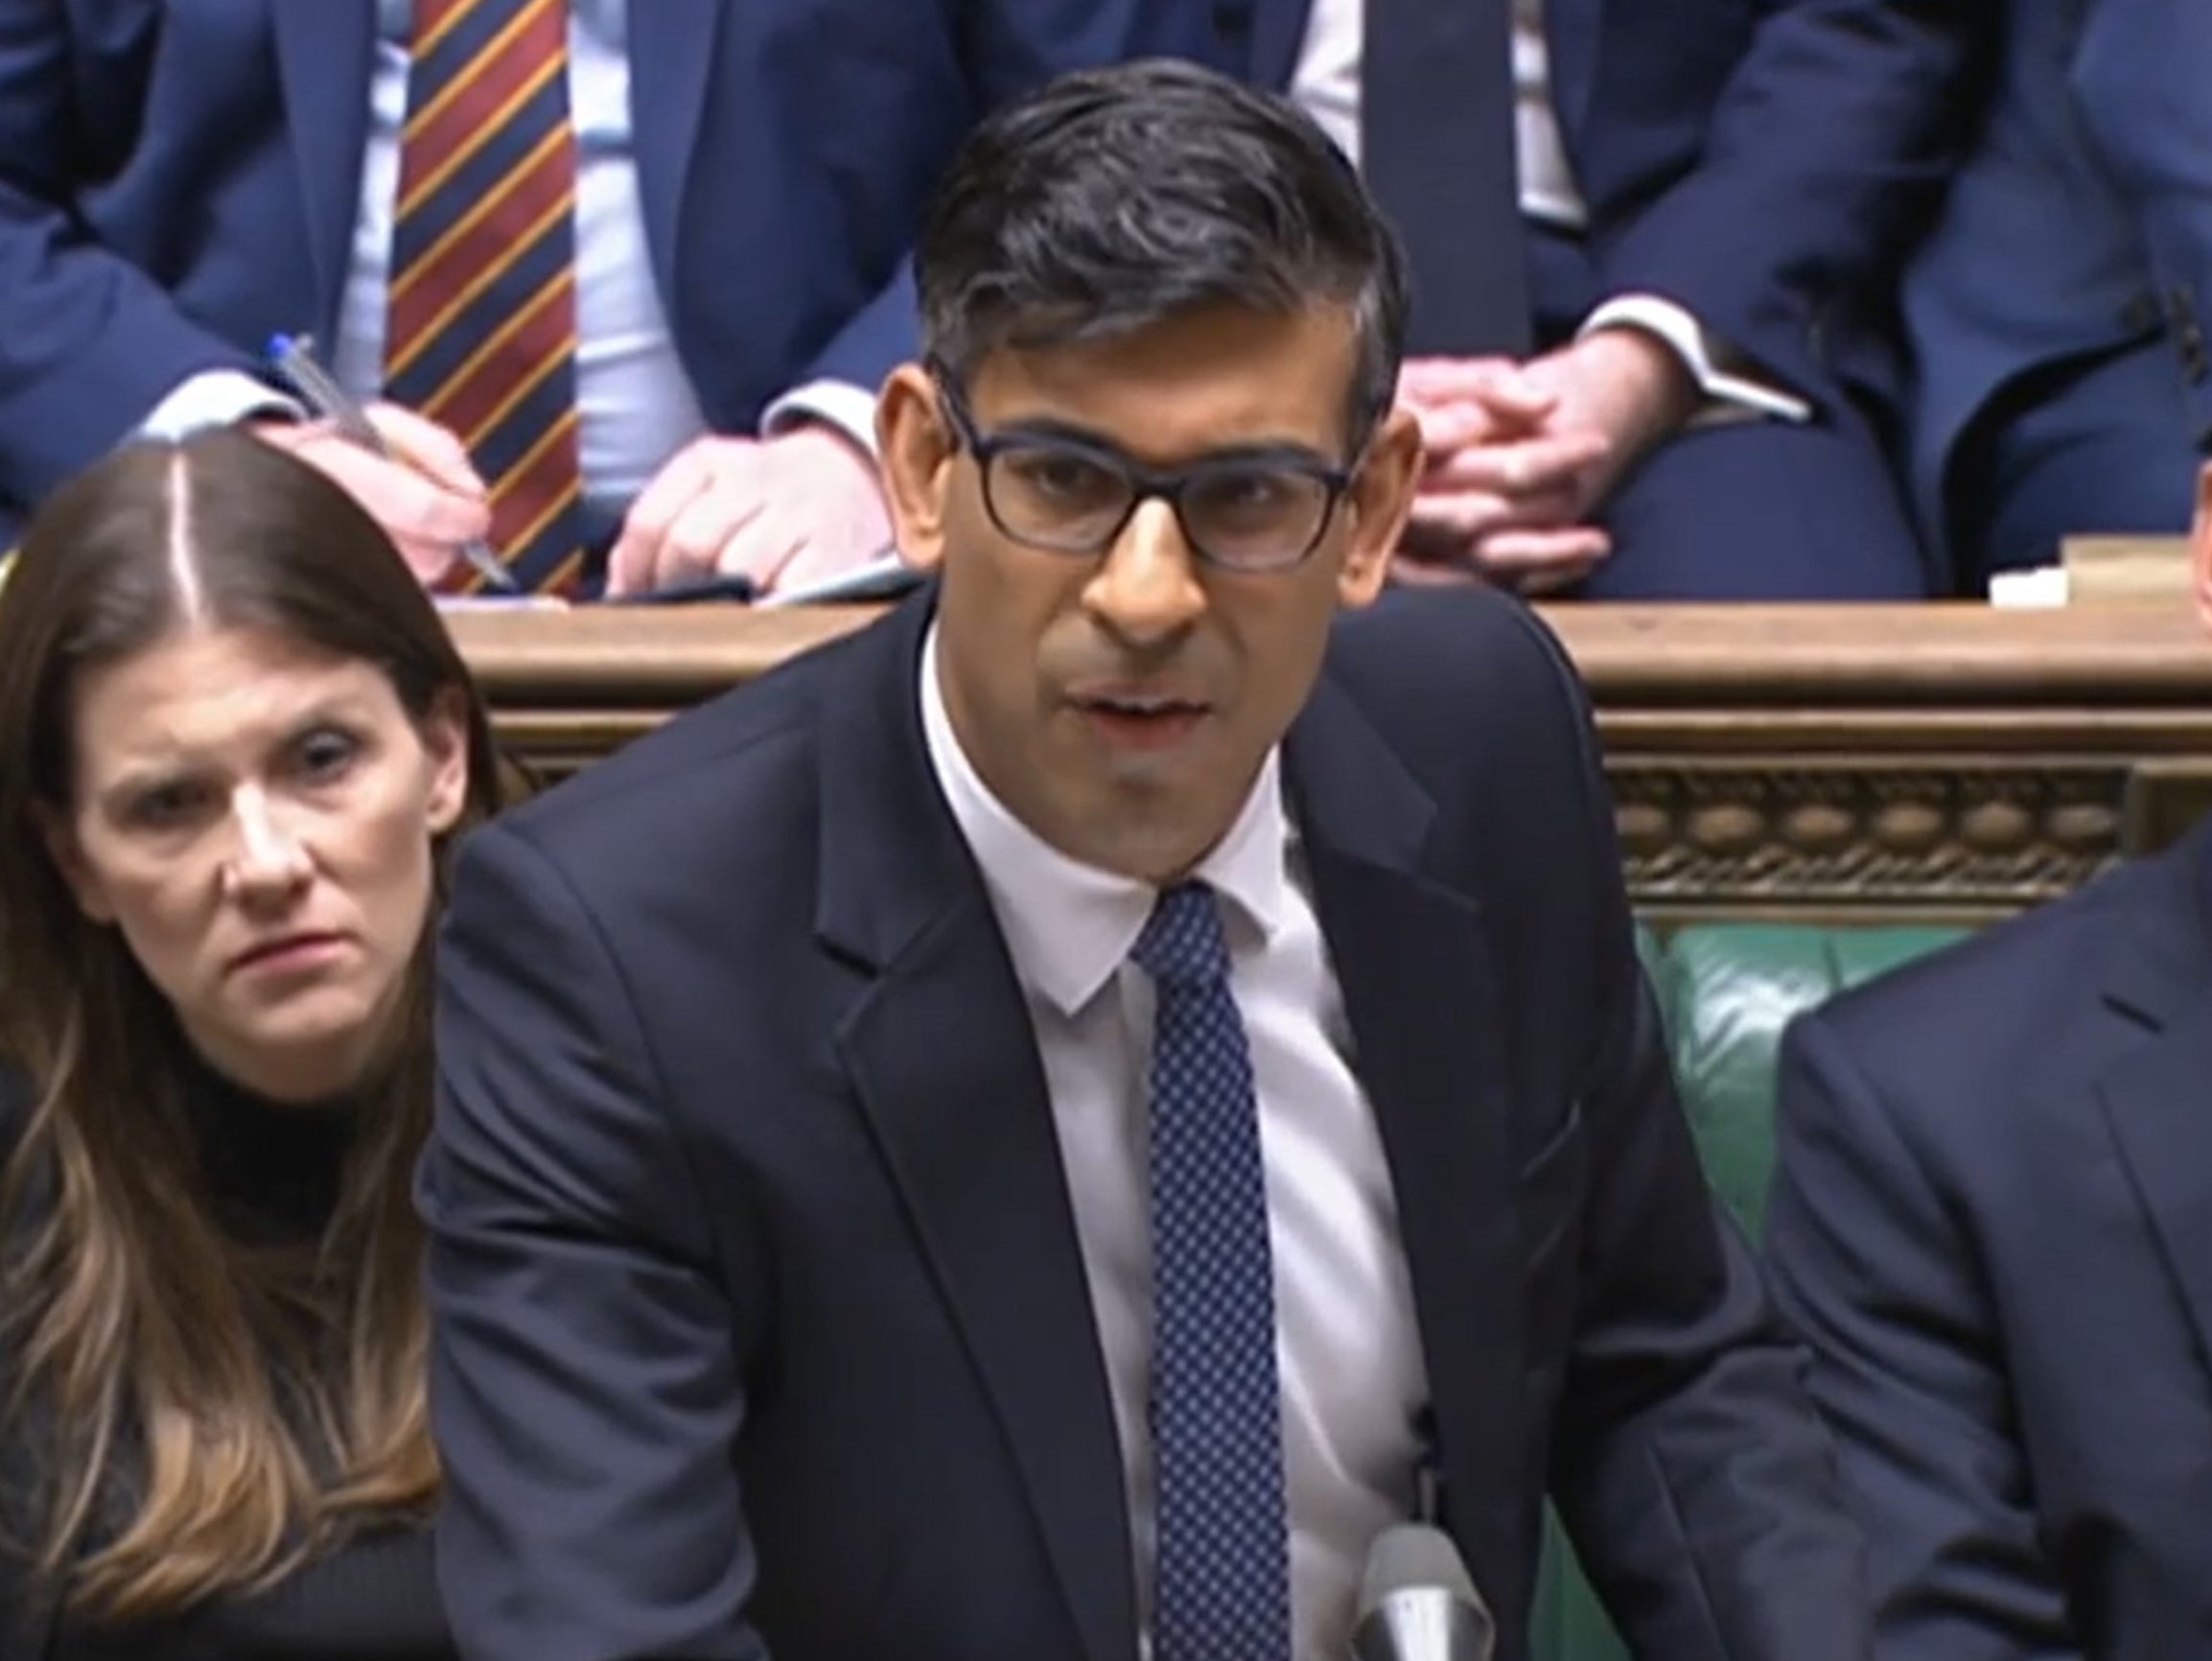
{"type": "Point", "coordinates": [1952, 832]}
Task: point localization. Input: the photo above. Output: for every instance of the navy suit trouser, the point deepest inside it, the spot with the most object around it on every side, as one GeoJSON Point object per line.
{"type": "Point", "coordinates": [1757, 509]}
{"type": "Point", "coordinates": [2095, 444]}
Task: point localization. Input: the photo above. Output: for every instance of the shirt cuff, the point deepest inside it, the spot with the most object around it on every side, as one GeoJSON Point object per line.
{"type": "Point", "coordinates": [214, 398]}
{"type": "Point", "coordinates": [838, 403]}
{"type": "Point", "coordinates": [1727, 394]}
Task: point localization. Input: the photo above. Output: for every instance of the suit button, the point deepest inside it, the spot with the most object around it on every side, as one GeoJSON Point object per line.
{"type": "Point", "coordinates": [2188, 333]}
{"type": "Point", "coordinates": [2141, 314]}
{"type": "Point", "coordinates": [1233, 19]}
{"type": "Point", "coordinates": [2196, 361]}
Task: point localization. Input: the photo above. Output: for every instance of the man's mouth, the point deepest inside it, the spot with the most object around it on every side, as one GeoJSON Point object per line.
{"type": "Point", "coordinates": [1136, 719]}
{"type": "Point", "coordinates": [1142, 704]}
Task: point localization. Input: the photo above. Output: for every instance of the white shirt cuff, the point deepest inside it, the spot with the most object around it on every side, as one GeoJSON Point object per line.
{"type": "Point", "coordinates": [1738, 395]}
{"type": "Point", "coordinates": [213, 398]}
{"type": "Point", "coordinates": [838, 403]}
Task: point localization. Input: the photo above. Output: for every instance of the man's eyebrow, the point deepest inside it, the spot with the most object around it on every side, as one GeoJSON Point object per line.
{"type": "Point", "coordinates": [1065, 432]}
{"type": "Point", "coordinates": [1054, 426]}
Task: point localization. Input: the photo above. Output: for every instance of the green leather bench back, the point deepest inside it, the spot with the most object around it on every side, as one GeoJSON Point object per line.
{"type": "Point", "coordinates": [1725, 993]}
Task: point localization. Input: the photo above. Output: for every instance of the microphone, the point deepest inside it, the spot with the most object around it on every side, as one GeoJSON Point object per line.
{"type": "Point", "coordinates": [1417, 1602]}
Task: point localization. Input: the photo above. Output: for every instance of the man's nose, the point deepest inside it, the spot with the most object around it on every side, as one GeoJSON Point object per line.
{"type": "Point", "coordinates": [1148, 587]}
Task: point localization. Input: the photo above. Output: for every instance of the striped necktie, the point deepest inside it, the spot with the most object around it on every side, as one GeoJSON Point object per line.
{"type": "Point", "coordinates": [481, 331]}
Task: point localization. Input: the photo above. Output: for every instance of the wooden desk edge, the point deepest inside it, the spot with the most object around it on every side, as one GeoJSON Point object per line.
{"type": "Point", "coordinates": [1755, 655]}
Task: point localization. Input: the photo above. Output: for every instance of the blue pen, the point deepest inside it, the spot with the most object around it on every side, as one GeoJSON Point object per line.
{"type": "Point", "coordinates": [292, 358]}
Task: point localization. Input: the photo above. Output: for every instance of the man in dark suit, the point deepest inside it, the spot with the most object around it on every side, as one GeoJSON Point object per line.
{"type": "Point", "coordinates": [1992, 1222]}
{"type": "Point", "coordinates": [2057, 313]}
{"type": "Point", "coordinates": [627, 276]}
{"type": "Point", "coordinates": [1187, 1075]}
{"type": "Point", "coordinates": [1664, 398]}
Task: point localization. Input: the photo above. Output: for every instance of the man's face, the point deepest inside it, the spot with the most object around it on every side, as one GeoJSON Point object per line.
{"type": "Point", "coordinates": [1120, 701]}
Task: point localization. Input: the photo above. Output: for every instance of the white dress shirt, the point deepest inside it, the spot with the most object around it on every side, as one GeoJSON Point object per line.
{"type": "Point", "coordinates": [1326, 83]}
{"type": "Point", "coordinates": [1353, 1378]}
{"type": "Point", "coordinates": [636, 407]}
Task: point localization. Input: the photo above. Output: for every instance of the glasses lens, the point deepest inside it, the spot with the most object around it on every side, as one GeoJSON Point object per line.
{"type": "Point", "coordinates": [1255, 515]}
{"type": "Point", "coordinates": [1057, 497]}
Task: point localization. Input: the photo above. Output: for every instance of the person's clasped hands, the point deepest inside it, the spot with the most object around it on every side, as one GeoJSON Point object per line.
{"type": "Point", "coordinates": [1518, 458]}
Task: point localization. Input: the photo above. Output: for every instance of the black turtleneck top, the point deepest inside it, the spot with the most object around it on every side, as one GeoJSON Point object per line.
{"type": "Point", "coordinates": [273, 1172]}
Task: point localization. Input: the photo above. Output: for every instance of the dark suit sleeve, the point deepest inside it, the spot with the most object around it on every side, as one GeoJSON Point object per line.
{"type": "Point", "coordinates": [1831, 134]}
{"type": "Point", "coordinates": [875, 339]}
{"type": "Point", "coordinates": [1869, 1261]}
{"type": "Point", "coordinates": [1688, 1463]}
{"type": "Point", "coordinates": [88, 342]}
{"type": "Point", "coordinates": [2139, 84]}
{"type": "Point", "coordinates": [586, 1355]}
{"type": "Point", "coordinates": [1008, 48]}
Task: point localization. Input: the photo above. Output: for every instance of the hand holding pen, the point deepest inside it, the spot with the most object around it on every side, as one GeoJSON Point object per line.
{"type": "Point", "coordinates": [411, 473]}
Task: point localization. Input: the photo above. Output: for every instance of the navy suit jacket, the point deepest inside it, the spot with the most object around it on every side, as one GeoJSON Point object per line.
{"type": "Point", "coordinates": [2080, 218]}
{"type": "Point", "coordinates": [760, 1321]}
{"type": "Point", "coordinates": [179, 180]}
{"type": "Point", "coordinates": [1993, 1224]}
{"type": "Point", "coordinates": [1759, 162]}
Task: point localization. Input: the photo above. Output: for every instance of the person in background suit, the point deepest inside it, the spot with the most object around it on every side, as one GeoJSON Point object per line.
{"type": "Point", "coordinates": [236, 745]}
{"type": "Point", "coordinates": [1992, 1222]}
{"type": "Point", "coordinates": [623, 277]}
{"type": "Point", "coordinates": [1189, 1076]}
{"type": "Point", "coordinates": [1663, 398]}
{"type": "Point", "coordinates": [2057, 312]}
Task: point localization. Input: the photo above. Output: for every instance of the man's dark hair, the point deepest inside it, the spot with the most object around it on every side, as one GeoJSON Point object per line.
{"type": "Point", "coordinates": [1116, 198]}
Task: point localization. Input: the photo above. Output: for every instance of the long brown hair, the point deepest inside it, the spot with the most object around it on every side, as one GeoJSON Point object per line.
{"type": "Point", "coordinates": [195, 1434]}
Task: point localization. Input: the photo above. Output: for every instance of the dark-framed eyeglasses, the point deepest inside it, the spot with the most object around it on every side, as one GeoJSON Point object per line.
{"type": "Point", "coordinates": [1247, 510]}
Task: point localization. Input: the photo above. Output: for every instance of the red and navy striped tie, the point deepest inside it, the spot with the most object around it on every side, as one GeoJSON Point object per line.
{"type": "Point", "coordinates": [481, 332]}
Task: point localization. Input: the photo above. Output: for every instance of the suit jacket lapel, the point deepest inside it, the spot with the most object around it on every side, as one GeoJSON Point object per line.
{"type": "Point", "coordinates": [1279, 30]}
{"type": "Point", "coordinates": [325, 55]}
{"type": "Point", "coordinates": [673, 50]}
{"type": "Point", "coordinates": [2159, 1102]}
{"type": "Point", "coordinates": [1573, 35]}
{"type": "Point", "coordinates": [2157, 1096]}
{"type": "Point", "coordinates": [1410, 957]}
{"type": "Point", "coordinates": [942, 1055]}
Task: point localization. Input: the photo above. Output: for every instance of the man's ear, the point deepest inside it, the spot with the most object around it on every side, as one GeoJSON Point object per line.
{"type": "Point", "coordinates": [2200, 545]}
{"type": "Point", "coordinates": [917, 446]}
{"type": "Point", "coordinates": [1376, 506]}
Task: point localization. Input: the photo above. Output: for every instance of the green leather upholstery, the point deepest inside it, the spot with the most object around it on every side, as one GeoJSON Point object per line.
{"type": "Point", "coordinates": [1725, 993]}
{"type": "Point", "coordinates": [1726, 990]}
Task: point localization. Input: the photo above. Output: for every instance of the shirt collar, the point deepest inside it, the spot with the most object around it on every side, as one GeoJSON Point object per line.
{"type": "Point", "coordinates": [1068, 925]}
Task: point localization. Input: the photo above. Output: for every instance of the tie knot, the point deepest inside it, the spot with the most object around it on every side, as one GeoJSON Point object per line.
{"type": "Point", "coordinates": [1182, 944]}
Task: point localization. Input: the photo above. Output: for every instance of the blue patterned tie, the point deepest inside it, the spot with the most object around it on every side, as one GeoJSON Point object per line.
{"type": "Point", "coordinates": [1223, 1574]}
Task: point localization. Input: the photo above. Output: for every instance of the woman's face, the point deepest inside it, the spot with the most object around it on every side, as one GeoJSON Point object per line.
{"type": "Point", "coordinates": [257, 818]}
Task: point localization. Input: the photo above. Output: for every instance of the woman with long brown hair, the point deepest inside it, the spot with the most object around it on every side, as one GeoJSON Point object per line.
{"type": "Point", "coordinates": [235, 740]}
